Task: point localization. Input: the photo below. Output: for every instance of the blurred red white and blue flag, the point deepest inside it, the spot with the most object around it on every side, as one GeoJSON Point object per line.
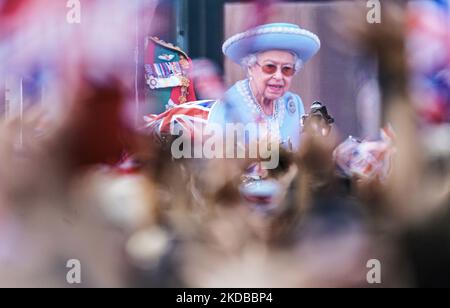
{"type": "Point", "coordinates": [429, 56]}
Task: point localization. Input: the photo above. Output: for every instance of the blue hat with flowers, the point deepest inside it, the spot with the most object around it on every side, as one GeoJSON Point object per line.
{"type": "Point", "coordinates": [274, 36]}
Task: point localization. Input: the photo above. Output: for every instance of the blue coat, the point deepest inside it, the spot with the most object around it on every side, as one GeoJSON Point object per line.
{"type": "Point", "coordinates": [240, 106]}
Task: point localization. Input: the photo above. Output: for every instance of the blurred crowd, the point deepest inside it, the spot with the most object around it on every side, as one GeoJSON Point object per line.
{"type": "Point", "coordinates": [65, 192]}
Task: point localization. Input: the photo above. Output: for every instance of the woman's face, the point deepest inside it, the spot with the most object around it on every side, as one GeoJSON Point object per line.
{"type": "Point", "coordinates": [267, 82]}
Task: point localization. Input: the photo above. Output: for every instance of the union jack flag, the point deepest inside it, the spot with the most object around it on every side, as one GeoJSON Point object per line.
{"type": "Point", "coordinates": [429, 51]}
{"type": "Point", "coordinates": [187, 116]}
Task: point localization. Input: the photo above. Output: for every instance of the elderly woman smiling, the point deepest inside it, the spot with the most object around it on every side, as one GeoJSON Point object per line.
{"type": "Point", "coordinates": [271, 55]}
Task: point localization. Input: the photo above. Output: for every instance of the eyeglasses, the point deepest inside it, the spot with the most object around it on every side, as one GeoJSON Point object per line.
{"type": "Point", "coordinates": [271, 69]}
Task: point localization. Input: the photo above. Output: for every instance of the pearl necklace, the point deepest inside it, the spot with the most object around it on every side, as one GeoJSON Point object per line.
{"type": "Point", "coordinates": [279, 109]}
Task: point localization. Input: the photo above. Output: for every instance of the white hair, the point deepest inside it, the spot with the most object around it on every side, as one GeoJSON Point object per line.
{"type": "Point", "coordinates": [251, 59]}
